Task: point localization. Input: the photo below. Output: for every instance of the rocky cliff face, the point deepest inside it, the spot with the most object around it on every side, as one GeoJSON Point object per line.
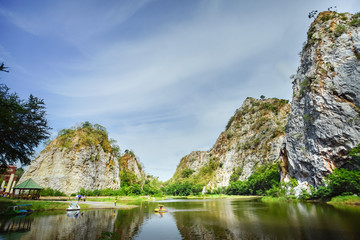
{"type": "Point", "coordinates": [324, 121]}
{"type": "Point", "coordinates": [130, 169]}
{"type": "Point", "coordinates": [252, 137]}
{"type": "Point", "coordinates": [78, 158]}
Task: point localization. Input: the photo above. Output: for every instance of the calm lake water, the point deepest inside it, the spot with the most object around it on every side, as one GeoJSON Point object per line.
{"type": "Point", "coordinates": [193, 219]}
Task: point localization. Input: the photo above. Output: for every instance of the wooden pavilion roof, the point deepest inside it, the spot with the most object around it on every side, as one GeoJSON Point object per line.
{"type": "Point", "coordinates": [28, 184]}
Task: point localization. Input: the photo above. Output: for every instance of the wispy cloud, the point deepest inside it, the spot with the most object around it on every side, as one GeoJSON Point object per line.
{"type": "Point", "coordinates": [73, 21]}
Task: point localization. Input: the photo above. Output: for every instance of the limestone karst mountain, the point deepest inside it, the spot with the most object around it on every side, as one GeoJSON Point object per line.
{"type": "Point", "coordinates": [131, 171]}
{"type": "Point", "coordinates": [324, 120]}
{"type": "Point", "coordinates": [253, 137]}
{"type": "Point", "coordinates": [78, 158]}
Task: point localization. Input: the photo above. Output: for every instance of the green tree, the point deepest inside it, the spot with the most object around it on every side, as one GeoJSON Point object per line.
{"type": "Point", "coordinates": [187, 172]}
{"type": "Point", "coordinates": [355, 153]}
{"type": "Point", "coordinates": [19, 172]}
{"type": "Point", "coordinates": [23, 126]}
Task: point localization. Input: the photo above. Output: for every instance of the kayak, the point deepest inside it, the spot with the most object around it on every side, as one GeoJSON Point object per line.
{"type": "Point", "coordinates": [160, 210]}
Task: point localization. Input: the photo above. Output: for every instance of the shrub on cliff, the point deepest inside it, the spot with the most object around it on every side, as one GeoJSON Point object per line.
{"type": "Point", "coordinates": [86, 134]}
{"type": "Point", "coordinates": [187, 172]}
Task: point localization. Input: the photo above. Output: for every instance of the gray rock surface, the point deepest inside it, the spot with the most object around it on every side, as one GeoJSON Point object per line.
{"type": "Point", "coordinates": [324, 120]}
{"type": "Point", "coordinates": [69, 170]}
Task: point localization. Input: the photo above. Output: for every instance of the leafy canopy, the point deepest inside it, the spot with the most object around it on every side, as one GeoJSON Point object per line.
{"type": "Point", "coordinates": [23, 126]}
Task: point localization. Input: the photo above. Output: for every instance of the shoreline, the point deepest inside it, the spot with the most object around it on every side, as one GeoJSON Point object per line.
{"type": "Point", "coordinates": [130, 202]}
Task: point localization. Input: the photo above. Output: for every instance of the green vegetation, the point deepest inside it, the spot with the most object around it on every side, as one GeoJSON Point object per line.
{"type": "Point", "coordinates": [328, 16]}
{"type": "Point", "coordinates": [230, 122]}
{"type": "Point", "coordinates": [339, 30]}
{"type": "Point", "coordinates": [236, 174]}
{"type": "Point", "coordinates": [51, 192]}
{"type": "Point", "coordinates": [307, 117]}
{"type": "Point", "coordinates": [342, 182]}
{"type": "Point", "coordinates": [183, 189]}
{"type": "Point", "coordinates": [19, 172]}
{"type": "Point", "coordinates": [274, 105]}
{"type": "Point", "coordinates": [151, 187]}
{"type": "Point", "coordinates": [355, 22]}
{"type": "Point", "coordinates": [187, 172]}
{"type": "Point", "coordinates": [128, 178]}
{"type": "Point", "coordinates": [23, 126]}
{"type": "Point", "coordinates": [305, 84]}
{"type": "Point", "coordinates": [285, 198]}
{"type": "Point", "coordinates": [264, 179]}
{"type": "Point", "coordinates": [86, 134]}
{"type": "Point", "coordinates": [36, 205]}
{"type": "Point", "coordinates": [350, 199]}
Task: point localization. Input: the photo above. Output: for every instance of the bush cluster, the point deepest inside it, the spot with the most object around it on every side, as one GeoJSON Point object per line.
{"type": "Point", "coordinates": [341, 182]}
{"type": "Point", "coordinates": [264, 178]}
{"type": "Point", "coordinates": [51, 192]}
{"type": "Point", "coordinates": [183, 189]}
{"type": "Point", "coordinates": [187, 172]}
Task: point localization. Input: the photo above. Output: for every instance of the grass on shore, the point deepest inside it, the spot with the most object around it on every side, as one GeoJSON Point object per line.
{"type": "Point", "coordinates": [280, 199]}
{"type": "Point", "coordinates": [215, 196]}
{"type": "Point", "coordinates": [348, 200]}
{"type": "Point", "coordinates": [351, 200]}
{"type": "Point", "coordinates": [36, 205]}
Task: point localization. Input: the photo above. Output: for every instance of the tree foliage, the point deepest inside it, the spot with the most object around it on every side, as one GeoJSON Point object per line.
{"type": "Point", "coordinates": [263, 179]}
{"type": "Point", "coordinates": [183, 189]}
{"type": "Point", "coordinates": [23, 126]}
{"type": "Point", "coordinates": [51, 192]}
{"type": "Point", "coordinates": [355, 154]}
{"type": "Point", "coordinates": [341, 182]}
{"type": "Point", "coordinates": [187, 172]}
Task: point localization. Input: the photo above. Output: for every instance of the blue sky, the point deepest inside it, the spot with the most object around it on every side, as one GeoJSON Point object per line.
{"type": "Point", "coordinates": [162, 76]}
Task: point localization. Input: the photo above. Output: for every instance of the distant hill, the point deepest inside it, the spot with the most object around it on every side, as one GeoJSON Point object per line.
{"type": "Point", "coordinates": [82, 157]}
{"type": "Point", "coordinates": [252, 137]}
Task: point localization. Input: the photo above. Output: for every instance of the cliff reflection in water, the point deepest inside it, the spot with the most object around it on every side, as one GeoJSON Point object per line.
{"type": "Point", "coordinates": [59, 225]}
{"type": "Point", "coordinates": [226, 219]}
{"type": "Point", "coordinates": [195, 219]}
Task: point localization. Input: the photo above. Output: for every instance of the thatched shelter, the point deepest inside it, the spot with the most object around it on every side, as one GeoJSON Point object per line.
{"type": "Point", "coordinates": [27, 190]}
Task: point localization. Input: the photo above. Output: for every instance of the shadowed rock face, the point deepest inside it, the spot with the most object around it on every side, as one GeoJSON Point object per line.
{"type": "Point", "coordinates": [75, 167]}
{"type": "Point", "coordinates": [252, 137]}
{"type": "Point", "coordinates": [324, 120]}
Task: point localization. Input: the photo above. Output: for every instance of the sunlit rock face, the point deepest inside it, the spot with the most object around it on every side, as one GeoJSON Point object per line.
{"type": "Point", "coordinates": [129, 163]}
{"type": "Point", "coordinates": [74, 167]}
{"type": "Point", "coordinates": [324, 120]}
{"type": "Point", "coordinates": [253, 137]}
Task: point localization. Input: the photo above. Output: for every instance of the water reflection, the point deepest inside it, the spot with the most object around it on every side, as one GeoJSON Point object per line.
{"type": "Point", "coordinates": [195, 219]}
{"type": "Point", "coordinates": [226, 219]}
{"type": "Point", "coordinates": [15, 224]}
{"type": "Point", "coordinates": [84, 225]}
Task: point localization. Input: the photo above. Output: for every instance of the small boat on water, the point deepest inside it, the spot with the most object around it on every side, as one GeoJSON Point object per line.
{"type": "Point", "coordinates": [73, 214]}
{"type": "Point", "coordinates": [73, 207]}
{"type": "Point", "coordinates": [160, 209]}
